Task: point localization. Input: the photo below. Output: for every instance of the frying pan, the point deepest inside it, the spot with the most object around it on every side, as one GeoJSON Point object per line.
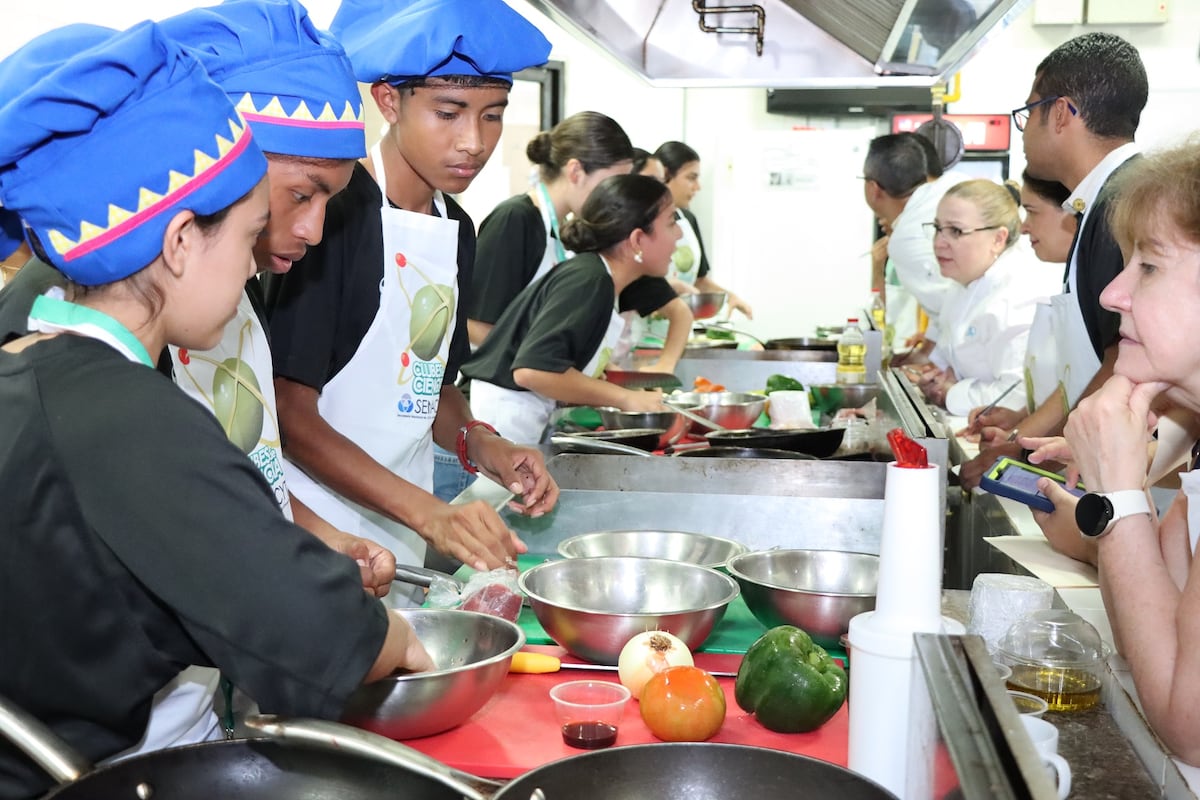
{"type": "Point", "coordinates": [642, 438]}
{"type": "Point", "coordinates": [743, 452]}
{"type": "Point", "coordinates": [821, 442]}
{"type": "Point", "coordinates": [575, 443]}
{"type": "Point", "coordinates": [317, 760]}
{"type": "Point", "coordinates": [801, 343]}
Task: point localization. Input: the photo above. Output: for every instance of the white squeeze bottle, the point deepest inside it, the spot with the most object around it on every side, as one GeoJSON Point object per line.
{"type": "Point", "coordinates": [852, 354]}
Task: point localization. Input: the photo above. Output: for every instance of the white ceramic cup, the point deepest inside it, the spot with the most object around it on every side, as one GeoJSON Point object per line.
{"type": "Point", "coordinates": [790, 409]}
{"type": "Point", "coordinates": [1045, 741]}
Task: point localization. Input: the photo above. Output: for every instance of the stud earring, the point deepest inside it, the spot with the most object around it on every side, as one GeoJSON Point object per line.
{"type": "Point", "coordinates": [638, 256]}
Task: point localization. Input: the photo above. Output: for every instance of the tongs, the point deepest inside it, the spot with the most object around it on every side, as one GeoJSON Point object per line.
{"type": "Point", "coordinates": [723, 325]}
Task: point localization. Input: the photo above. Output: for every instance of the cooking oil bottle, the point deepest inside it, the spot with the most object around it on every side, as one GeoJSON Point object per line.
{"type": "Point", "coordinates": [852, 354]}
{"type": "Point", "coordinates": [878, 311]}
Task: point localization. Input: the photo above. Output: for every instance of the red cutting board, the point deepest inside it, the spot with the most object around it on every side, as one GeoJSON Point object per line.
{"type": "Point", "coordinates": [517, 730]}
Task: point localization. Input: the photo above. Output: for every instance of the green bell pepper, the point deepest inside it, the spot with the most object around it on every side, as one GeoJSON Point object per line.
{"type": "Point", "coordinates": [782, 383]}
{"type": "Point", "coordinates": [789, 683]}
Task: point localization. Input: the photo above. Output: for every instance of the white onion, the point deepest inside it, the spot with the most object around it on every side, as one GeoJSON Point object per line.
{"type": "Point", "coordinates": [648, 653]}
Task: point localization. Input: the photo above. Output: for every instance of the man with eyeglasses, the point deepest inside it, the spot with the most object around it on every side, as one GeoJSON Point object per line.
{"type": "Point", "coordinates": [903, 182]}
{"type": "Point", "coordinates": [1078, 127]}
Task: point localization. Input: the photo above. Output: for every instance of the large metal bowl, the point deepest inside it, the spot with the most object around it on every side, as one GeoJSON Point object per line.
{"type": "Point", "coordinates": [690, 548]}
{"type": "Point", "coordinates": [472, 652]}
{"type": "Point", "coordinates": [734, 410]}
{"type": "Point", "coordinates": [593, 606]}
{"type": "Point", "coordinates": [674, 423]}
{"type": "Point", "coordinates": [704, 305]}
{"type": "Point", "coordinates": [816, 590]}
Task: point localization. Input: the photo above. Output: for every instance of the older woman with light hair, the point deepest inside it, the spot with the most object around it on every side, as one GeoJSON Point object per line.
{"type": "Point", "coordinates": [986, 317]}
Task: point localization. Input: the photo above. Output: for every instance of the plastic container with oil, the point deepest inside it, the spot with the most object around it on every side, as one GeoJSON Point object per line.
{"type": "Point", "coordinates": [1055, 655]}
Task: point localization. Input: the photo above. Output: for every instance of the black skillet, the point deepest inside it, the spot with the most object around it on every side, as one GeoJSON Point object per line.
{"type": "Point", "coordinates": [819, 442]}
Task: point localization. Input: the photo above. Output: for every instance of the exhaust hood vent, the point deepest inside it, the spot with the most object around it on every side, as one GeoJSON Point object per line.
{"type": "Point", "coordinates": [787, 43]}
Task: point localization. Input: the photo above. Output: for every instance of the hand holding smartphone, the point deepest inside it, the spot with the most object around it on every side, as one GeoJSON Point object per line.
{"type": "Point", "coordinates": [1018, 481]}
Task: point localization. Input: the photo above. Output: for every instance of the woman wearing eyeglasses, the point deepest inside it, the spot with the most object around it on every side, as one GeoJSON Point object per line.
{"type": "Point", "coordinates": [986, 316]}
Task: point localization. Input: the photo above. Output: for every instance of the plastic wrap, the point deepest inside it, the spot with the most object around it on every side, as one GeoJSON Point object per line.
{"type": "Point", "coordinates": [998, 600]}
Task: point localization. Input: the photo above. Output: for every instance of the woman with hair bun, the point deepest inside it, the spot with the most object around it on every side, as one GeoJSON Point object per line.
{"type": "Point", "coordinates": [554, 340]}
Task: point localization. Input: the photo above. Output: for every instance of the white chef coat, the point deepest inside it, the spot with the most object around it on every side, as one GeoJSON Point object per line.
{"type": "Point", "coordinates": [985, 328]}
{"type": "Point", "coordinates": [910, 247]}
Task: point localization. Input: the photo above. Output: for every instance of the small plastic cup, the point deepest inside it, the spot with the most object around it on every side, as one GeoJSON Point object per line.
{"type": "Point", "coordinates": [590, 712]}
{"type": "Point", "coordinates": [1004, 670]}
{"type": "Point", "coordinates": [1029, 705]}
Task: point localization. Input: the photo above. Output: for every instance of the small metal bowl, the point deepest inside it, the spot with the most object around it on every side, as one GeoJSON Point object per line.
{"type": "Point", "coordinates": [472, 652]}
{"type": "Point", "coordinates": [816, 590]}
{"type": "Point", "coordinates": [594, 606]}
{"type": "Point", "coordinates": [735, 410]}
{"type": "Point", "coordinates": [690, 548]}
{"type": "Point", "coordinates": [704, 305]}
{"type": "Point", "coordinates": [672, 422]}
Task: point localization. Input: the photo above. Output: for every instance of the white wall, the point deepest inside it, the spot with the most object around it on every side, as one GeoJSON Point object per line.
{"type": "Point", "coordinates": [799, 269]}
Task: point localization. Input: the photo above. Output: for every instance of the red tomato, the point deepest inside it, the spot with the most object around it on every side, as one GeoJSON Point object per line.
{"type": "Point", "coordinates": [683, 704]}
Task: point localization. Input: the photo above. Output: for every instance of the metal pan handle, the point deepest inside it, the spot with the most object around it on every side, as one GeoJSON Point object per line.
{"type": "Point", "coordinates": [39, 743]}
{"type": "Point", "coordinates": [336, 736]}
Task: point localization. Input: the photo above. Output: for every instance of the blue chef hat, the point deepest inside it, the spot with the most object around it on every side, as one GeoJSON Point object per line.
{"type": "Point", "coordinates": [398, 40]}
{"type": "Point", "coordinates": [99, 153]}
{"type": "Point", "coordinates": [292, 83]}
{"type": "Point", "coordinates": [35, 58]}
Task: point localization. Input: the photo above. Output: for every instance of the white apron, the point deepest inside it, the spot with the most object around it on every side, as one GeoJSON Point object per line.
{"type": "Point", "coordinates": [1041, 358]}
{"type": "Point", "coordinates": [1077, 361]}
{"type": "Point", "coordinates": [234, 381]}
{"type": "Point", "coordinates": [1190, 486]}
{"type": "Point", "coordinates": [182, 711]}
{"type": "Point", "coordinates": [385, 399]}
{"type": "Point", "coordinates": [685, 267]}
{"type": "Point", "coordinates": [522, 416]}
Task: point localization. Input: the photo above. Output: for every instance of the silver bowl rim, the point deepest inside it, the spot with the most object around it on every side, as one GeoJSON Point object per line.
{"type": "Point", "coordinates": [738, 547]}
{"type": "Point", "coordinates": [741, 576]}
{"type": "Point", "coordinates": [735, 589]}
{"type": "Point", "coordinates": [672, 411]}
{"type": "Point", "coordinates": [507, 654]}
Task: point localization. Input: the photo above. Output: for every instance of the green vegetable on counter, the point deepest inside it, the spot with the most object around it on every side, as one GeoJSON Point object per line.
{"type": "Point", "coordinates": [789, 683]}
{"type": "Point", "coordinates": [782, 383]}
{"type": "Point", "coordinates": [719, 333]}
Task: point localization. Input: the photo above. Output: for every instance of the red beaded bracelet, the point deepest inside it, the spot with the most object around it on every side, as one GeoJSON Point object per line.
{"type": "Point", "coordinates": [461, 446]}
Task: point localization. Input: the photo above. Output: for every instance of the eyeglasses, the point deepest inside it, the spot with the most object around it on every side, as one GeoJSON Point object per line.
{"type": "Point", "coordinates": [953, 232]}
{"type": "Point", "coordinates": [1021, 115]}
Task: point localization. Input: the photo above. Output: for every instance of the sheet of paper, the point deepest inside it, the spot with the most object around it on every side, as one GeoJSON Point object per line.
{"type": "Point", "coordinates": [1036, 555]}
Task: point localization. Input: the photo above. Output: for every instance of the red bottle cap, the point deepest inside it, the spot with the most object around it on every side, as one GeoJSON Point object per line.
{"type": "Point", "coordinates": [908, 453]}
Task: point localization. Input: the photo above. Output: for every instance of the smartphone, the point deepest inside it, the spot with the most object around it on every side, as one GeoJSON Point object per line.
{"type": "Point", "coordinates": [1018, 480]}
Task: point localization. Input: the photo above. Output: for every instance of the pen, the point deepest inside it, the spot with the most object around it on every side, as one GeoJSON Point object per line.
{"type": "Point", "coordinates": [992, 404]}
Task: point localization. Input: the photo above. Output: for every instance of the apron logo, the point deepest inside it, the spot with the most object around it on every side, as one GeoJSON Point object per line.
{"type": "Point", "coordinates": [406, 404]}
{"type": "Point", "coordinates": [401, 261]}
{"type": "Point", "coordinates": [684, 259]}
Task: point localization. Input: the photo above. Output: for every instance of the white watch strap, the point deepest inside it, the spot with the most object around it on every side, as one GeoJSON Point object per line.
{"type": "Point", "coordinates": [1127, 503]}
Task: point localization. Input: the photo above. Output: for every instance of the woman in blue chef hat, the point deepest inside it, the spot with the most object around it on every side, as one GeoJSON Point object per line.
{"type": "Point", "coordinates": [138, 539]}
{"type": "Point", "coordinates": [369, 331]}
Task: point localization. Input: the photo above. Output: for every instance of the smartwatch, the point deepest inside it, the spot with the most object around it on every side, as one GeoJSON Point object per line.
{"type": "Point", "coordinates": [1096, 513]}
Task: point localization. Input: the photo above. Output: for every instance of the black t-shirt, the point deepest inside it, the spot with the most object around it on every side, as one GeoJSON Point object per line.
{"type": "Point", "coordinates": [1098, 261]}
{"type": "Point", "coordinates": [691, 218]}
{"type": "Point", "coordinates": [646, 295]}
{"type": "Point", "coordinates": [322, 308]}
{"type": "Point", "coordinates": [137, 541]}
{"type": "Point", "coordinates": [512, 243]}
{"type": "Point", "coordinates": [555, 323]}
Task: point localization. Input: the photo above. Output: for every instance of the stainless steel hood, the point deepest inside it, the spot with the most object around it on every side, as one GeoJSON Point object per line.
{"type": "Point", "coordinates": [787, 43]}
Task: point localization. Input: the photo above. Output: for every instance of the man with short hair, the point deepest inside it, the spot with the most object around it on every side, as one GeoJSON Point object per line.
{"type": "Point", "coordinates": [368, 335]}
{"type": "Point", "coordinates": [1078, 125]}
{"type": "Point", "coordinates": [903, 191]}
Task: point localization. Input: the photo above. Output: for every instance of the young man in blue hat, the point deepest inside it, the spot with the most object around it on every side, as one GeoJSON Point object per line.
{"type": "Point", "coordinates": [100, 456]}
{"type": "Point", "coordinates": [368, 334]}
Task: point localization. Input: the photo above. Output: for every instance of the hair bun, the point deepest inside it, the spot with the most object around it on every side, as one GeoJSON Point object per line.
{"type": "Point", "coordinates": [538, 149]}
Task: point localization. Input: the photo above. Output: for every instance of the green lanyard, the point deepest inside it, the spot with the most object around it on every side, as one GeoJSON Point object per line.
{"type": "Point", "coordinates": [52, 314]}
{"type": "Point", "coordinates": [558, 247]}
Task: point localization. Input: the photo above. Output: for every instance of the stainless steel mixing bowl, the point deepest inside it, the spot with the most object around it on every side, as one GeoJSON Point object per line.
{"type": "Point", "coordinates": [472, 652]}
{"type": "Point", "coordinates": [735, 410]}
{"type": "Point", "coordinates": [704, 304]}
{"type": "Point", "coordinates": [690, 548]}
{"type": "Point", "coordinates": [593, 606]}
{"type": "Point", "coordinates": [816, 590]}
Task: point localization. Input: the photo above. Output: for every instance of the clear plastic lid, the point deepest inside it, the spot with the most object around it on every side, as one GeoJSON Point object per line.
{"type": "Point", "coordinates": [1054, 637]}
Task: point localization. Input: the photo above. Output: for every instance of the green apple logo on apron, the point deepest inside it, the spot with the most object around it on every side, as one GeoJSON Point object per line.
{"type": "Point", "coordinates": [431, 308]}
{"type": "Point", "coordinates": [684, 258]}
{"type": "Point", "coordinates": [237, 399]}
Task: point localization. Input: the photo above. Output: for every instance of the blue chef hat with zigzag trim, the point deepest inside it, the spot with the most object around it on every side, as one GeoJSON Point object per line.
{"type": "Point", "coordinates": [36, 58]}
{"type": "Point", "coordinates": [291, 82]}
{"type": "Point", "coordinates": [98, 153]}
{"type": "Point", "coordinates": [398, 40]}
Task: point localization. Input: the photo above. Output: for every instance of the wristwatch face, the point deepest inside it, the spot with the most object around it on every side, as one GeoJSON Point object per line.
{"type": "Point", "coordinates": [1093, 512]}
